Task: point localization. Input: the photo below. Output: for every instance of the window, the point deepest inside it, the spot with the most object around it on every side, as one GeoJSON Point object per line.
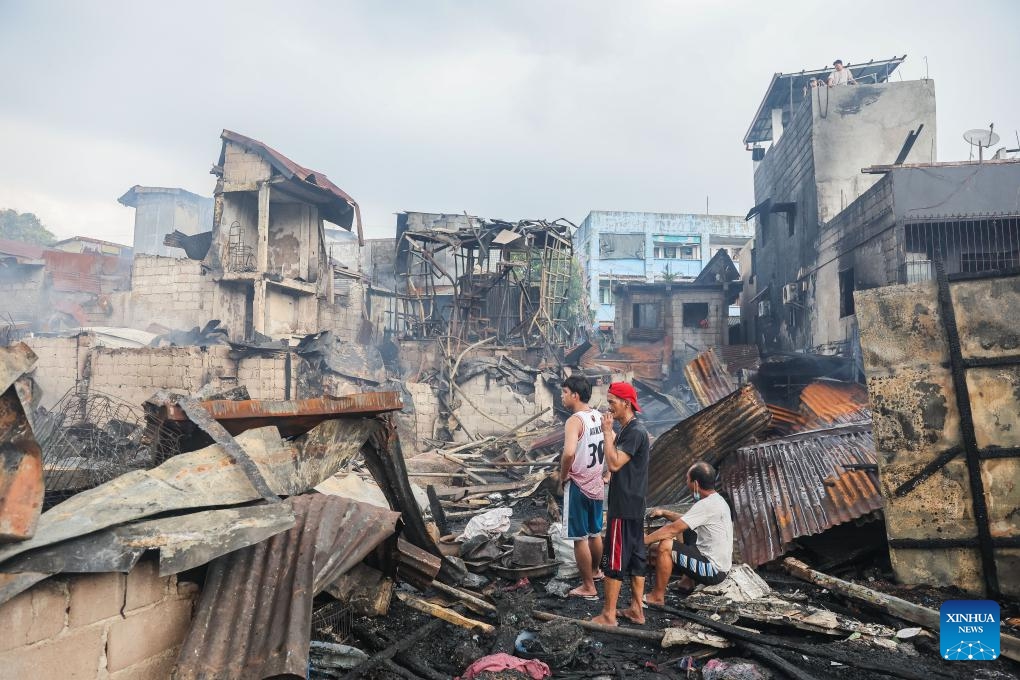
{"type": "Point", "coordinates": [846, 293]}
{"type": "Point", "coordinates": [664, 252]}
{"type": "Point", "coordinates": [622, 246]}
{"type": "Point", "coordinates": [605, 293]}
{"type": "Point", "coordinates": [695, 315]}
{"type": "Point", "coordinates": [646, 315]}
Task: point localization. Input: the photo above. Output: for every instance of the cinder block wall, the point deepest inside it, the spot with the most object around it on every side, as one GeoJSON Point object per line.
{"type": "Point", "coordinates": [103, 626]}
{"type": "Point", "coordinates": [172, 292]}
{"type": "Point", "coordinates": [134, 374]}
{"type": "Point", "coordinates": [61, 362]}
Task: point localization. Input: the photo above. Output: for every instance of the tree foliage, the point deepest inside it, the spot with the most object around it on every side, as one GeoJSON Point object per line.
{"type": "Point", "coordinates": [24, 227]}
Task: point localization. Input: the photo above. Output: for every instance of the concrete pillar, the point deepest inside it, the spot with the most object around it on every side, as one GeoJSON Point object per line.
{"type": "Point", "coordinates": [262, 245]}
{"type": "Point", "coordinates": [258, 317]}
{"type": "Point", "coordinates": [777, 124]}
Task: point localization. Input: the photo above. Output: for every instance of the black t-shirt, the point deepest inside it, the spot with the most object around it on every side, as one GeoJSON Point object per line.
{"type": "Point", "coordinates": [628, 487]}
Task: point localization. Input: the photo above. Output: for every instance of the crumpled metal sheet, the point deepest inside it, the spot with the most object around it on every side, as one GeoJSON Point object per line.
{"type": "Point", "coordinates": [708, 379]}
{"type": "Point", "coordinates": [797, 486]}
{"type": "Point", "coordinates": [202, 479]}
{"type": "Point", "coordinates": [384, 459]}
{"type": "Point", "coordinates": [254, 618]}
{"type": "Point", "coordinates": [21, 478]}
{"type": "Point", "coordinates": [708, 435]}
{"type": "Point", "coordinates": [184, 542]}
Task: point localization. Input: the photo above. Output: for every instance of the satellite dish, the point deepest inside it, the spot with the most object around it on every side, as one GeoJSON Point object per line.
{"type": "Point", "coordinates": [982, 139]}
{"type": "Point", "coordinates": [985, 138]}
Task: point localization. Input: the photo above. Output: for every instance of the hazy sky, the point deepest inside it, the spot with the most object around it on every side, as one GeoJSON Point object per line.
{"type": "Point", "coordinates": [503, 109]}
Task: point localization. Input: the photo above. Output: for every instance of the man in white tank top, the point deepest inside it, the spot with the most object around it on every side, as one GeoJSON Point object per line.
{"type": "Point", "coordinates": [581, 469]}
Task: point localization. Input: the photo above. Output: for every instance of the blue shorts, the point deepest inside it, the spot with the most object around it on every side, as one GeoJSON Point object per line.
{"type": "Point", "coordinates": [582, 516]}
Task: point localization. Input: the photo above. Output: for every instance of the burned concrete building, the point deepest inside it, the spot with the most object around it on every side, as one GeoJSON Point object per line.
{"type": "Point", "coordinates": [820, 139]}
{"type": "Point", "coordinates": [264, 270]}
{"type": "Point", "coordinates": [684, 318]}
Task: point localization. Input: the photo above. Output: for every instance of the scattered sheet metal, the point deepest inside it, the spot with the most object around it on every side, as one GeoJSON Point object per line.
{"type": "Point", "coordinates": [708, 379]}
{"type": "Point", "coordinates": [21, 478]}
{"type": "Point", "coordinates": [255, 614]}
{"type": "Point", "coordinates": [202, 479]}
{"type": "Point", "coordinates": [708, 435]}
{"type": "Point", "coordinates": [798, 486]}
{"type": "Point", "coordinates": [184, 542]}
{"type": "Point", "coordinates": [292, 417]}
{"type": "Point", "coordinates": [195, 246]}
{"type": "Point", "coordinates": [385, 460]}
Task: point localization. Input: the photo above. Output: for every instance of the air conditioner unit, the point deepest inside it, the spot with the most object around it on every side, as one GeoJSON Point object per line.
{"type": "Point", "coordinates": [764, 309]}
{"type": "Point", "coordinates": [790, 294]}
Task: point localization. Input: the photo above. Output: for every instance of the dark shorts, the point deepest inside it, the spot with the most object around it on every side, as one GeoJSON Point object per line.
{"type": "Point", "coordinates": [582, 516]}
{"type": "Point", "coordinates": [688, 561]}
{"type": "Point", "coordinates": [624, 549]}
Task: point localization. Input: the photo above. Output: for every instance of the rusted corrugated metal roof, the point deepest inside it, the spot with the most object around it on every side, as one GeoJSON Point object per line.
{"type": "Point", "coordinates": [254, 618]}
{"type": "Point", "coordinates": [784, 489]}
{"type": "Point", "coordinates": [708, 435]}
{"type": "Point", "coordinates": [21, 249]}
{"type": "Point", "coordinates": [340, 208]}
{"type": "Point", "coordinates": [737, 357]}
{"type": "Point", "coordinates": [708, 379]}
{"type": "Point", "coordinates": [830, 402]}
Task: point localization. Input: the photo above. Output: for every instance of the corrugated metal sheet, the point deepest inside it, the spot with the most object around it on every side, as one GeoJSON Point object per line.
{"type": "Point", "coordinates": [255, 616]}
{"type": "Point", "coordinates": [830, 402]}
{"type": "Point", "coordinates": [738, 357]}
{"type": "Point", "coordinates": [708, 379]}
{"type": "Point", "coordinates": [203, 479]}
{"type": "Point", "coordinates": [798, 486]}
{"type": "Point", "coordinates": [21, 249]}
{"type": "Point", "coordinates": [707, 435]}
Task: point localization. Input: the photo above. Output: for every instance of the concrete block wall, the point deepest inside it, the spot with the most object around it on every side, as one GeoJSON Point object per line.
{"type": "Point", "coordinates": [426, 412]}
{"type": "Point", "coordinates": [22, 289]}
{"type": "Point", "coordinates": [102, 626]}
{"type": "Point", "coordinates": [345, 319]}
{"type": "Point", "coordinates": [494, 408]}
{"type": "Point", "coordinates": [266, 376]}
{"type": "Point", "coordinates": [134, 374]}
{"type": "Point", "coordinates": [61, 363]}
{"type": "Point", "coordinates": [172, 292]}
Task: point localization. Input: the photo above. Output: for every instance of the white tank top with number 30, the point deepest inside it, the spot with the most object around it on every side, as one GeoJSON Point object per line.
{"type": "Point", "coordinates": [586, 471]}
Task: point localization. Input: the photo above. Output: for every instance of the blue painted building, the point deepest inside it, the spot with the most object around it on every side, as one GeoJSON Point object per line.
{"type": "Point", "coordinates": [618, 247]}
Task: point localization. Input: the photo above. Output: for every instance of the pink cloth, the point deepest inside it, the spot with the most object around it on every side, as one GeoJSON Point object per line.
{"type": "Point", "coordinates": [504, 662]}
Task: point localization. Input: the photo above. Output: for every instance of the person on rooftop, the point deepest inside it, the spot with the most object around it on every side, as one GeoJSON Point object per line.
{"type": "Point", "coordinates": [841, 76]}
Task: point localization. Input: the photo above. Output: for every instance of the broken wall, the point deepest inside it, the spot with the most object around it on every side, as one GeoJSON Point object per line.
{"type": "Point", "coordinates": [932, 520]}
{"type": "Point", "coordinates": [133, 375]}
{"type": "Point", "coordinates": [110, 626]}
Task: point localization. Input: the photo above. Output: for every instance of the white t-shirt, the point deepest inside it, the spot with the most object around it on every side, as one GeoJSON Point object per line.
{"type": "Point", "coordinates": [841, 77]}
{"type": "Point", "coordinates": [710, 517]}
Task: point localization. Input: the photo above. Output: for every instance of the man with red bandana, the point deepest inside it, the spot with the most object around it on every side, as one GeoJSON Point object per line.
{"type": "Point", "coordinates": [627, 453]}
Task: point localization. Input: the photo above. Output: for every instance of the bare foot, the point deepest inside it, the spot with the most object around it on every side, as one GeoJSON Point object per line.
{"type": "Point", "coordinates": [598, 575]}
{"type": "Point", "coordinates": [655, 601]}
{"type": "Point", "coordinates": [628, 614]}
{"type": "Point", "coordinates": [586, 594]}
{"type": "Point", "coordinates": [604, 620]}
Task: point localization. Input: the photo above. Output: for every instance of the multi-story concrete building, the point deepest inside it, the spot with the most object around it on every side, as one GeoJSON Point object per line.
{"type": "Point", "coordinates": [849, 196]}
{"type": "Point", "coordinates": [642, 247]}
